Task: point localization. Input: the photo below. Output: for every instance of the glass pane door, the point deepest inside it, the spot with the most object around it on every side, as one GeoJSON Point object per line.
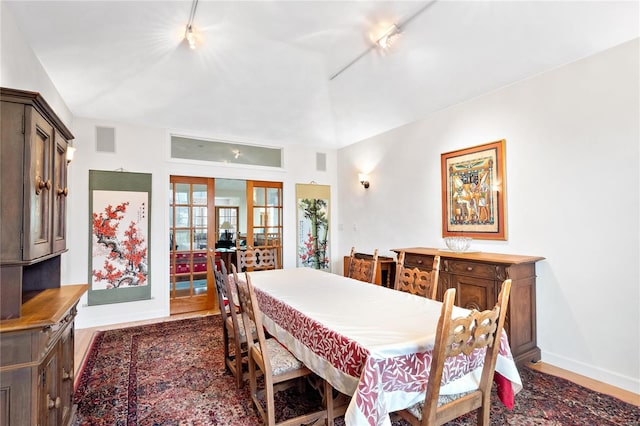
{"type": "Point", "coordinates": [190, 218]}
{"type": "Point", "coordinates": [264, 201]}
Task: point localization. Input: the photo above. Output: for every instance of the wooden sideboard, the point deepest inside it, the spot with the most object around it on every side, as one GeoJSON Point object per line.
{"type": "Point", "coordinates": [477, 277]}
{"type": "Point", "coordinates": [36, 359]}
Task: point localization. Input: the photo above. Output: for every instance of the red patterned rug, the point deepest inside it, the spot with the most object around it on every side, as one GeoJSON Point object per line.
{"type": "Point", "coordinates": [172, 373]}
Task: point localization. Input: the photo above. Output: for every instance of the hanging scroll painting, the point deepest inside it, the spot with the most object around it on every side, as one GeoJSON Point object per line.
{"type": "Point", "coordinates": [312, 243]}
{"type": "Point", "coordinates": [119, 232]}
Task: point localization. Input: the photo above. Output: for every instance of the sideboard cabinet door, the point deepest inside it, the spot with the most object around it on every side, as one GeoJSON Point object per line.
{"type": "Point", "coordinates": [473, 293]}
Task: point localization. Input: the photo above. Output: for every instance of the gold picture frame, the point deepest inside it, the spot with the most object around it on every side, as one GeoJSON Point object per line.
{"type": "Point", "coordinates": [474, 192]}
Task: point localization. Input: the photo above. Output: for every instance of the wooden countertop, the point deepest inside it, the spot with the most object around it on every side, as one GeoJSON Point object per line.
{"type": "Point", "coordinates": [46, 308]}
{"type": "Point", "coordinates": [472, 255]}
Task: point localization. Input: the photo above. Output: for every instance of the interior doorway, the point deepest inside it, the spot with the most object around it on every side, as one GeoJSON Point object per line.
{"type": "Point", "coordinates": [217, 217]}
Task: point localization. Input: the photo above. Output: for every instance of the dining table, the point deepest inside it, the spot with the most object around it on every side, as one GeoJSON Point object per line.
{"type": "Point", "coordinates": [370, 342]}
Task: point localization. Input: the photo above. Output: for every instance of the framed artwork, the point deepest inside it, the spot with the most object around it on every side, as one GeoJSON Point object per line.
{"type": "Point", "coordinates": [119, 237]}
{"type": "Point", "coordinates": [312, 242]}
{"type": "Point", "coordinates": [474, 192]}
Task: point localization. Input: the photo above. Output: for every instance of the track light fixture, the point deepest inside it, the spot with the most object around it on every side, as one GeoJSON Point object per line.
{"type": "Point", "coordinates": [188, 34]}
{"type": "Point", "coordinates": [387, 38]}
{"type": "Point", "coordinates": [191, 39]}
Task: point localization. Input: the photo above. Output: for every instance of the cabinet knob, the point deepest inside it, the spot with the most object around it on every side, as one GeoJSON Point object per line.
{"type": "Point", "coordinates": [469, 268]}
{"type": "Point", "coordinates": [420, 262]}
{"type": "Point", "coordinates": [42, 184]}
{"type": "Point", "coordinates": [61, 191]}
{"type": "Point", "coordinates": [67, 375]}
{"type": "Point", "coordinates": [53, 404]}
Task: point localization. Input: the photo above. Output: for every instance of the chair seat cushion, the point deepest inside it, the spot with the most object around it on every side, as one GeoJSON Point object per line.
{"type": "Point", "coordinates": [282, 361]}
{"type": "Point", "coordinates": [416, 409]}
{"type": "Point", "coordinates": [242, 333]}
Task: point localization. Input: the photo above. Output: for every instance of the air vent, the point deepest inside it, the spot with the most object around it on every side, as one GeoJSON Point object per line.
{"type": "Point", "coordinates": [321, 162]}
{"type": "Point", "coordinates": [105, 139]}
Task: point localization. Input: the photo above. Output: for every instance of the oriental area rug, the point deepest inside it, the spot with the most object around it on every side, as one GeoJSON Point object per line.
{"type": "Point", "coordinates": [173, 373]}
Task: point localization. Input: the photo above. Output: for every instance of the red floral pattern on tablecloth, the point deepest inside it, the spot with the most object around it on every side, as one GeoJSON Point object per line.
{"type": "Point", "coordinates": [344, 354]}
{"type": "Point", "coordinates": [405, 373]}
{"type": "Point", "coordinates": [410, 373]}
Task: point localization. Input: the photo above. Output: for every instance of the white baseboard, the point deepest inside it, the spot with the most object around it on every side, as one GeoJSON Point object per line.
{"type": "Point", "coordinates": [85, 321]}
{"type": "Point", "coordinates": [631, 384]}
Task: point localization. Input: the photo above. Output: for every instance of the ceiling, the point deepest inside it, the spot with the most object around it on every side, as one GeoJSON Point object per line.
{"type": "Point", "coordinates": [261, 71]}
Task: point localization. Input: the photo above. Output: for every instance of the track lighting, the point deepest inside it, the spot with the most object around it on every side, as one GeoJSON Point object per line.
{"type": "Point", "coordinates": [189, 35]}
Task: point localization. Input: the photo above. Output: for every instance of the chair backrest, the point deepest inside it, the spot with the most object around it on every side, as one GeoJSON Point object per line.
{"type": "Point", "coordinates": [226, 295]}
{"type": "Point", "coordinates": [362, 269]}
{"type": "Point", "coordinates": [417, 281]}
{"type": "Point", "coordinates": [251, 312]}
{"type": "Point", "coordinates": [256, 259]}
{"type": "Point", "coordinates": [464, 335]}
{"type": "Point", "coordinates": [221, 288]}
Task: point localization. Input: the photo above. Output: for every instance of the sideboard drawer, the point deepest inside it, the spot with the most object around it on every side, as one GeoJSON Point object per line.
{"type": "Point", "coordinates": [475, 269]}
{"type": "Point", "coordinates": [412, 260]}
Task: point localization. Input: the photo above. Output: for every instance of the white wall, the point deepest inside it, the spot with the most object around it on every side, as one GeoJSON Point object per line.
{"type": "Point", "coordinates": [146, 150]}
{"type": "Point", "coordinates": [21, 69]}
{"type": "Point", "coordinates": [572, 150]}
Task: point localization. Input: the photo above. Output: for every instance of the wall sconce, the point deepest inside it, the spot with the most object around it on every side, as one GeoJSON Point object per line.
{"type": "Point", "coordinates": [70, 152]}
{"type": "Point", "coordinates": [364, 179]}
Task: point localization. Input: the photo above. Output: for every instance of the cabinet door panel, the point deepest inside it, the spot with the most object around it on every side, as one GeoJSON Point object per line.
{"type": "Point", "coordinates": [474, 293]}
{"type": "Point", "coordinates": [66, 386]}
{"type": "Point", "coordinates": [38, 186]}
{"type": "Point", "coordinates": [59, 194]}
{"type": "Point", "coordinates": [15, 397]}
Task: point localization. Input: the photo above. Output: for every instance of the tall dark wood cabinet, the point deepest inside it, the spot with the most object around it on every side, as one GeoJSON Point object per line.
{"type": "Point", "coordinates": [477, 277]}
{"type": "Point", "coordinates": [33, 193]}
{"type": "Point", "coordinates": [36, 312]}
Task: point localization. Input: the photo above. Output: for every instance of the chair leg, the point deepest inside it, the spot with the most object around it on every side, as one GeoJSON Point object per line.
{"type": "Point", "coordinates": [484, 411]}
{"type": "Point", "coordinates": [225, 338]}
{"type": "Point", "coordinates": [328, 396]}
{"type": "Point", "coordinates": [238, 362]}
{"type": "Point", "coordinates": [253, 380]}
{"type": "Point", "coordinates": [269, 401]}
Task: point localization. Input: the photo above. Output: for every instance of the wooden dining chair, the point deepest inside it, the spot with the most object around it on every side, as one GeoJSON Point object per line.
{"type": "Point", "coordinates": [279, 367]}
{"type": "Point", "coordinates": [233, 330]}
{"type": "Point", "coordinates": [256, 259]}
{"type": "Point", "coordinates": [363, 269]}
{"type": "Point", "coordinates": [455, 336]}
{"type": "Point", "coordinates": [417, 281]}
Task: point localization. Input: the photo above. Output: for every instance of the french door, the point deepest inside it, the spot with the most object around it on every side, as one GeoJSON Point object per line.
{"type": "Point", "coordinates": [264, 216]}
{"type": "Point", "coordinates": [191, 217]}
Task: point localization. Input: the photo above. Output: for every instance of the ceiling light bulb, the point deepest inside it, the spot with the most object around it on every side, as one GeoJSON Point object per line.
{"type": "Point", "coordinates": [388, 37]}
{"type": "Point", "coordinates": [190, 37]}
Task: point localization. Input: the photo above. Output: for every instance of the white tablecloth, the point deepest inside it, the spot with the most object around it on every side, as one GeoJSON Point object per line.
{"type": "Point", "coordinates": [368, 341]}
